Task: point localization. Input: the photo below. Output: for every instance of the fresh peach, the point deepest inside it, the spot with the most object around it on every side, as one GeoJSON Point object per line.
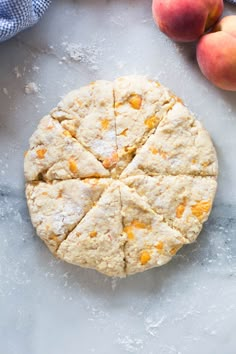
{"type": "Point", "coordinates": [186, 20]}
{"type": "Point", "coordinates": [216, 54]}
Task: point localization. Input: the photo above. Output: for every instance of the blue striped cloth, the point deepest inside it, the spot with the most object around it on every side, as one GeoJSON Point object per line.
{"type": "Point", "coordinates": [16, 15]}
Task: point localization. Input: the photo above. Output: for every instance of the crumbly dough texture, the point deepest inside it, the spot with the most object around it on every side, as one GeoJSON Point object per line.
{"type": "Point", "coordinates": [119, 176]}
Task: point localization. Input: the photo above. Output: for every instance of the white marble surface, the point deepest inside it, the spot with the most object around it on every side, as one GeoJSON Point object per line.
{"type": "Point", "coordinates": [49, 307]}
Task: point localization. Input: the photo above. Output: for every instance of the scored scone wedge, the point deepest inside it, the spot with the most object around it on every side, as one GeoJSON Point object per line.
{"type": "Point", "coordinates": [180, 145]}
{"type": "Point", "coordinates": [88, 115]}
{"type": "Point", "coordinates": [55, 155]}
{"type": "Point", "coordinates": [151, 242]}
{"type": "Point", "coordinates": [56, 208]}
{"type": "Point", "coordinates": [97, 242]}
{"type": "Point", "coordinates": [140, 105]}
{"type": "Point", "coordinates": [185, 202]}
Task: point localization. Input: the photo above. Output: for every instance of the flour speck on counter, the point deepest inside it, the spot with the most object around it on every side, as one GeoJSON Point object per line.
{"type": "Point", "coordinates": [31, 88]}
{"type": "Point", "coordinates": [5, 91]}
{"type": "Point", "coordinates": [17, 72]}
{"type": "Point", "coordinates": [88, 54]}
{"type": "Point", "coordinates": [131, 345]}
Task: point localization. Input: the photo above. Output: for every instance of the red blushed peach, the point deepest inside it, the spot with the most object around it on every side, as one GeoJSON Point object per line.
{"type": "Point", "coordinates": [186, 20]}
{"type": "Point", "coordinates": [216, 54]}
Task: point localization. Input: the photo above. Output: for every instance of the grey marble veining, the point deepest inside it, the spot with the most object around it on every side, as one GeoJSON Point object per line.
{"type": "Point", "coordinates": [46, 306]}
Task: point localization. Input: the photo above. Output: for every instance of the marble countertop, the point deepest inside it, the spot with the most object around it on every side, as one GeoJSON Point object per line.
{"type": "Point", "coordinates": [49, 307]}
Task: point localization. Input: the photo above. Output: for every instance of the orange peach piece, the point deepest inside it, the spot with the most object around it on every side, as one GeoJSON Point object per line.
{"type": "Point", "coordinates": [216, 54]}
{"type": "Point", "coordinates": [186, 20]}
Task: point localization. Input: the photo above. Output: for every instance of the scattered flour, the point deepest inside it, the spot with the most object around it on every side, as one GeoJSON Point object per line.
{"type": "Point", "coordinates": [83, 54]}
{"type": "Point", "coordinates": [31, 88]}
{"type": "Point", "coordinates": [114, 282]}
{"type": "Point", "coordinates": [17, 72]}
{"type": "Point", "coordinates": [152, 326]}
{"type": "Point", "coordinates": [35, 68]}
{"type": "Point", "coordinates": [131, 345]}
{"type": "Point", "coordinates": [5, 91]}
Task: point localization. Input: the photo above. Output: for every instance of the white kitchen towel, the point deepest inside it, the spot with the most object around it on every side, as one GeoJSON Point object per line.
{"type": "Point", "coordinates": [231, 1]}
{"type": "Point", "coordinates": [16, 15]}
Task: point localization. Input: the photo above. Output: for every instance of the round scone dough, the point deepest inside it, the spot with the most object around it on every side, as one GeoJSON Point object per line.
{"type": "Point", "coordinates": [119, 176]}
